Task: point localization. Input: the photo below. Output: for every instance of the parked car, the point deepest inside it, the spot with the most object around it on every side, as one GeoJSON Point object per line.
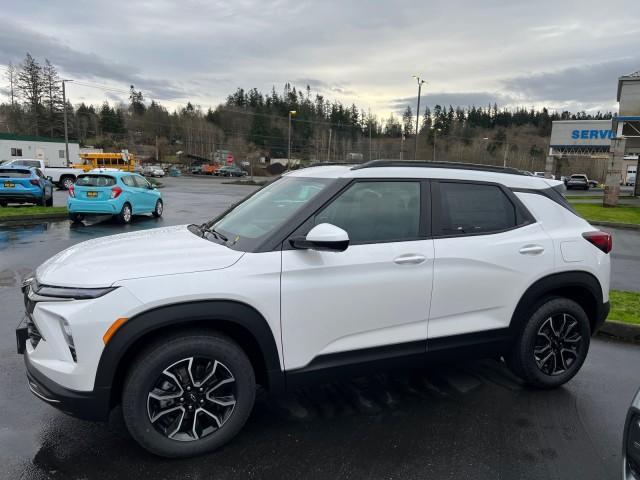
{"type": "Point", "coordinates": [327, 271]}
{"type": "Point", "coordinates": [578, 180]}
{"type": "Point", "coordinates": [230, 171]}
{"type": "Point", "coordinates": [631, 445]}
{"type": "Point", "coordinates": [113, 192]}
{"type": "Point", "coordinates": [210, 169]}
{"type": "Point", "coordinates": [196, 170]}
{"type": "Point", "coordinates": [153, 171]}
{"type": "Point", "coordinates": [62, 177]}
{"type": "Point", "coordinates": [631, 180]}
{"type": "Point", "coordinates": [20, 184]}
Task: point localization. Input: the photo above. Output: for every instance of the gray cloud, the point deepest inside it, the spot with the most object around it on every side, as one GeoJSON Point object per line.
{"type": "Point", "coordinates": [479, 99]}
{"type": "Point", "coordinates": [584, 83]}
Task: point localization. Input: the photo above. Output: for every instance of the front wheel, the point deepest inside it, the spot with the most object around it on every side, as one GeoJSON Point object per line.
{"type": "Point", "coordinates": [188, 394]}
{"type": "Point", "coordinates": [157, 212]}
{"type": "Point", "coordinates": [553, 345]}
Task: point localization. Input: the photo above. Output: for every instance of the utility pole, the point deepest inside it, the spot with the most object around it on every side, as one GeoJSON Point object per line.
{"type": "Point", "coordinates": [66, 130]}
{"type": "Point", "coordinates": [291, 112]}
{"type": "Point", "coordinates": [506, 150]}
{"type": "Point", "coordinates": [370, 139]}
{"type": "Point", "coordinates": [329, 147]}
{"type": "Point", "coordinates": [157, 156]}
{"type": "Point", "coordinates": [420, 82]}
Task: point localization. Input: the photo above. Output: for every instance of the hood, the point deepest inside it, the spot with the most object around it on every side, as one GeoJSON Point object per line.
{"type": "Point", "coordinates": [146, 253]}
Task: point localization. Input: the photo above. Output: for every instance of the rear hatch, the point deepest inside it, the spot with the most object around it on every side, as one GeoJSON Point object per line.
{"type": "Point", "coordinates": [94, 187]}
{"type": "Point", "coordinates": [13, 180]}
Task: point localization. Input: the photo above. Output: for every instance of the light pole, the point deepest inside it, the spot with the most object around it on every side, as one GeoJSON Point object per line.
{"type": "Point", "coordinates": [64, 113]}
{"type": "Point", "coordinates": [506, 150]}
{"type": "Point", "coordinates": [291, 112]}
{"type": "Point", "coordinates": [420, 82]}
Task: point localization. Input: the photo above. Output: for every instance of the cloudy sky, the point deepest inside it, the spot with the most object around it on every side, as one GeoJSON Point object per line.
{"type": "Point", "coordinates": [562, 54]}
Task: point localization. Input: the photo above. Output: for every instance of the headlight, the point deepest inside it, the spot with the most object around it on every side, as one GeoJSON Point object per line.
{"type": "Point", "coordinates": [71, 293]}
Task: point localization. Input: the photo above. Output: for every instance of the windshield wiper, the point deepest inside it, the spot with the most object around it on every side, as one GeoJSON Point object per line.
{"type": "Point", "coordinates": [209, 229]}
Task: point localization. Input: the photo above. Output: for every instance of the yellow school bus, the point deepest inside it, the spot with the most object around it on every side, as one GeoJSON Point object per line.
{"type": "Point", "coordinates": [122, 161]}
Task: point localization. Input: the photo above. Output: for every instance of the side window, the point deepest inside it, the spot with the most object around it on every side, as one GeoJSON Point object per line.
{"type": "Point", "coordinates": [39, 173]}
{"type": "Point", "coordinates": [128, 181]}
{"type": "Point", "coordinates": [473, 208]}
{"type": "Point", "coordinates": [375, 212]}
{"type": "Point", "coordinates": [140, 182]}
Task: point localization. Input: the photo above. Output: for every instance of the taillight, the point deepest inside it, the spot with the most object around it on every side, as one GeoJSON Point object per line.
{"type": "Point", "coordinates": [72, 192]}
{"type": "Point", "coordinates": [601, 240]}
{"type": "Point", "coordinates": [115, 192]}
{"type": "Point", "coordinates": [34, 181]}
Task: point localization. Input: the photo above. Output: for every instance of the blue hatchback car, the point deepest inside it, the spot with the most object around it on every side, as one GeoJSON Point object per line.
{"type": "Point", "coordinates": [20, 184]}
{"type": "Point", "coordinates": [113, 192]}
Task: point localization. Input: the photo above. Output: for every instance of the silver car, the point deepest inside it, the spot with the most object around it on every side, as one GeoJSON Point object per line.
{"type": "Point", "coordinates": [631, 445]}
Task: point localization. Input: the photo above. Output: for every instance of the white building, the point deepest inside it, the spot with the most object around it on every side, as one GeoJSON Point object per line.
{"type": "Point", "coordinates": [51, 150]}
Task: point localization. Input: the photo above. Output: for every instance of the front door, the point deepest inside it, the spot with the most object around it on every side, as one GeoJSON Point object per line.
{"type": "Point", "coordinates": [374, 294]}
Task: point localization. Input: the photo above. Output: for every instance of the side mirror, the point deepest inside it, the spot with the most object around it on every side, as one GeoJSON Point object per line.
{"type": "Point", "coordinates": [323, 237]}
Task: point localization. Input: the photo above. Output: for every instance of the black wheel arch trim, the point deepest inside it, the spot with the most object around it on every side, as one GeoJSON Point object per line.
{"type": "Point", "coordinates": [570, 281]}
{"type": "Point", "coordinates": [204, 313]}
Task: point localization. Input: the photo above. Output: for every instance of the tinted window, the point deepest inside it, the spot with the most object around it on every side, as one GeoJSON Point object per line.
{"type": "Point", "coordinates": [128, 181]}
{"type": "Point", "coordinates": [469, 208]}
{"type": "Point", "coordinates": [140, 182]}
{"type": "Point", "coordinates": [12, 173]}
{"type": "Point", "coordinates": [374, 212]}
{"type": "Point", "coordinates": [95, 181]}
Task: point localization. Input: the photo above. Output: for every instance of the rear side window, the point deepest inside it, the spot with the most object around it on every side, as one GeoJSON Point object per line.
{"type": "Point", "coordinates": [140, 182]}
{"type": "Point", "coordinates": [95, 181]}
{"type": "Point", "coordinates": [466, 208]}
{"type": "Point", "coordinates": [13, 173]}
{"type": "Point", "coordinates": [128, 181]}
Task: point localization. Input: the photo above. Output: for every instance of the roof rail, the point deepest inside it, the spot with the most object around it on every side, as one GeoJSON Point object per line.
{"type": "Point", "coordinates": [328, 164]}
{"type": "Point", "coordinates": [428, 164]}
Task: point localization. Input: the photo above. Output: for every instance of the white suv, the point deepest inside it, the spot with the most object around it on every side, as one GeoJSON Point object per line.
{"type": "Point", "coordinates": [329, 270]}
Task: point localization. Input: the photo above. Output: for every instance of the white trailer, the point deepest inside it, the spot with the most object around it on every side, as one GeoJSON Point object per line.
{"type": "Point", "coordinates": [50, 150]}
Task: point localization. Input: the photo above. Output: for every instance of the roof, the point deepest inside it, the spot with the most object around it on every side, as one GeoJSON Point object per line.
{"type": "Point", "coordinates": [404, 171]}
{"type": "Point", "coordinates": [16, 167]}
{"type": "Point", "coordinates": [30, 138]}
{"type": "Point", "coordinates": [108, 171]}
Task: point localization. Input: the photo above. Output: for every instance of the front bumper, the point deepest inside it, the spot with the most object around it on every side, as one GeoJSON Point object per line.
{"type": "Point", "coordinates": [94, 405]}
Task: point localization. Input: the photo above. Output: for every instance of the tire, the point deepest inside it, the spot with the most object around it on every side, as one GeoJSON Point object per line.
{"type": "Point", "coordinates": [157, 212]}
{"type": "Point", "coordinates": [125, 214]}
{"type": "Point", "coordinates": [171, 354]}
{"type": "Point", "coordinates": [49, 202]}
{"type": "Point", "coordinates": [76, 217]}
{"type": "Point", "coordinates": [66, 182]}
{"type": "Point", "coordinates": [537, 341]}
{"type": "Point", "coordinates": [3, 204]}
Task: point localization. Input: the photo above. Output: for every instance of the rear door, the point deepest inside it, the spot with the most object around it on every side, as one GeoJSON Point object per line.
{"type": "Point", "coordinates": [372, 300]}
{"type": "Point", "coordinates": [488, 251]}
{"type": "Point", "coordinates": [94, 187]}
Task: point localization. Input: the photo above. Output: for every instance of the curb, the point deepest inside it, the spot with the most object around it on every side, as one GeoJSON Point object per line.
{"type": "Point", "coordinates": [22, 218]}
{"type": "Point", "coordinates": [626, 226]}
{"type": "Point", "coordinates": [620, 331]}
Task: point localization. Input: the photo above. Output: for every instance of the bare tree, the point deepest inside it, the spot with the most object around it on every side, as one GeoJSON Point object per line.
{"type": "Point", "coordinates": [52, 96]}
{"type": "Point", "coordinates": [11, 78]}
{"type": "Point", "coordinates": [30, 85]}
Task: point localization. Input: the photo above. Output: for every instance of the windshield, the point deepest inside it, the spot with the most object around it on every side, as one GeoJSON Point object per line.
{"type": "Point", "coordinates": [268, 209]}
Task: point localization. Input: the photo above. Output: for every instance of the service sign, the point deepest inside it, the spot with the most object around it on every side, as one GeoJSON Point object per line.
{"type": "Point", "coordinates": [581, 133]}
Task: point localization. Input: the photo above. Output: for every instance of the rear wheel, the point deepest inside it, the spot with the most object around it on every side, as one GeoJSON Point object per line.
{"type": "Point", "coordinates": [125, 214]}
{"type": "Point", "coordinates": [76, 217]}
{"type": "Point", "coordinates": [553, 345]}
{"type": "Point", "coordinates": [49, 202]}
{"type": "Point", "coordinates": [188, 394]}
{"type": "Point", "coordinates": [157, 212]}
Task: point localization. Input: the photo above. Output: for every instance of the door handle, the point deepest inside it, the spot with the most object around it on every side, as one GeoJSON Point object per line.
{"type": "Point", "coordinates": [532, 250]}
{"type": "Point", "coordinates": [410, 259]}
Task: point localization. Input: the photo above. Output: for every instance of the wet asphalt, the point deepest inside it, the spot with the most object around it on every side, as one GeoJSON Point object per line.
{"type": "Point", "coordinates": [470, 420]}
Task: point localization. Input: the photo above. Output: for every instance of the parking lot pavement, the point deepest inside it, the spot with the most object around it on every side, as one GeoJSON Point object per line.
{"type": "Point", "coordinates": [472, 420]}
